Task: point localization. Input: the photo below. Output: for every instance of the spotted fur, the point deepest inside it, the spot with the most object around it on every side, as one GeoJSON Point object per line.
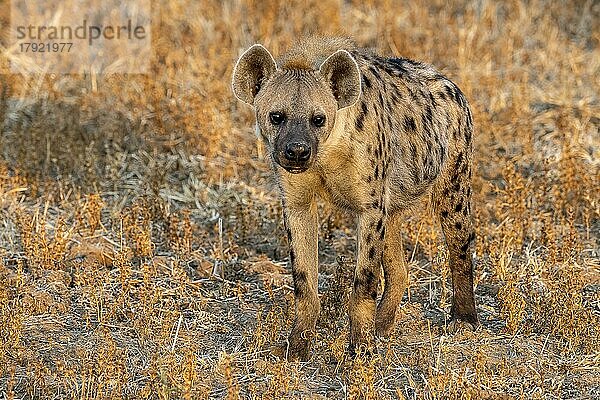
{"type": "Point", "coordinates": [397, 132]}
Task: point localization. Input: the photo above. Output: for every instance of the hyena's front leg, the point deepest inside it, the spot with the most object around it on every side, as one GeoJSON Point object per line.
{"type": "Point", "coordinates": [302, 230]}
{"type": "Point", "coordinates": [361, 308]}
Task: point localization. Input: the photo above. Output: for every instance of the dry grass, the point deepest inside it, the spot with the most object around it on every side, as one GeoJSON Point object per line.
{"type": "Point", "coordinates": [122, 196]}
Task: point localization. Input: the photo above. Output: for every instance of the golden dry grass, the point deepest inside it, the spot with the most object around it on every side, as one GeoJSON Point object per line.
{"type": "Point", "coordinates": [122, 196]}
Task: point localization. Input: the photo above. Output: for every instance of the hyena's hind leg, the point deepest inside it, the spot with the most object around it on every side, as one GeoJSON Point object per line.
{"type": "Point", "coordinates": [453, 206]}
{"type": "Point", "coordinates": [395, 271]}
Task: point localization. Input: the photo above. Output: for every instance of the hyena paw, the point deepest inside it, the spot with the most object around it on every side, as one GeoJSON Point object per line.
{"type": "Point", "coordinates": [384, 323]}
{"type": "Point", "coordinates": [363, 350]}
{"type": "Point", "coordinates": [363, 346]}
{"type": "Point", "coordinates": [384, 327]}
{"type": "Point", "coordinates": [298, 346]}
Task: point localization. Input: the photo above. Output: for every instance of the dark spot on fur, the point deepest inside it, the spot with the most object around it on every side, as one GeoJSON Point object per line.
{"type": "Point", "coordinates": [299, 282]}
{"type": "Point", "coordinates": [365, 284]}
{"type": "Point", "coordinates": [360, 120]}
{"type": "Point", "coordinates": [376, 172]}
{"type": "Point", "coordinates": [371, 253]}
{"type": "Point", "coordinates": [444, 214]}
{"type": "Point", "coordinates": [432, 99]}
{"type": "Point", "coordinates": [370, 276]}
{"type": "Point", "coordinates": [456, 186]}
{"type": "Point", "coordinates": [458, 207]}
{"type": "Point", "coordinates": [459, 160]}
{"type": "Point", "coordinates": [366, 81]}
{"type": "Point", "coordinates": [458, 226]}
{"type": "Point", "coordinates": [292, 256]}
{"type": "Point", "coordinates": [465, 246]}
{"type": "Point", "coordinates": [409, 124]}
{"type": "Point", "coordinates": [379, 224]}
{"type": "Point", "coordinates": [374, 294]}
{"type": "Point", "coordinates": [449, 92]}
{"type": "Point", "coordinates": [463, 256]}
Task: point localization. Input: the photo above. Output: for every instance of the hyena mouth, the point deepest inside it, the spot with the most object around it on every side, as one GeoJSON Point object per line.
{"type": "Point", "coordinates": [295, 170]}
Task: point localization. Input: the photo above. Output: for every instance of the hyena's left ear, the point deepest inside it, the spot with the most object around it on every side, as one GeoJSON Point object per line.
{"type": "Point", "coordinates": [343, 74]}
{"type": "Point", "coordinates": [251, 70]}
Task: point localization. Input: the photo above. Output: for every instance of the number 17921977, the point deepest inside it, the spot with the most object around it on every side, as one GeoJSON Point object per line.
{"type": "Point", "coordinates": [48, 47]}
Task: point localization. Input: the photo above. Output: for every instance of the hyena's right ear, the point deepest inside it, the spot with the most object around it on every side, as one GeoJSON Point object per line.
{"type": "Point", "coordinates": [252, 69]}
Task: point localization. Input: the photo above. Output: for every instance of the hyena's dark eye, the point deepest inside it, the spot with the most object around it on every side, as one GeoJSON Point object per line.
{"type": "Point", "coordinates": [318, 120]}
{"type": "Point", "coordinates": [276, 117]}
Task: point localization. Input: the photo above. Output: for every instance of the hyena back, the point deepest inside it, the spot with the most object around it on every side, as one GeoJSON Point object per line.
{"type": "Point", "coordinates": [374, 136]}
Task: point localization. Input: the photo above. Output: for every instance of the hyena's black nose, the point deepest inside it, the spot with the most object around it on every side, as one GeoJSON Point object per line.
{"type": "Point", "coordinates": [297, 151]}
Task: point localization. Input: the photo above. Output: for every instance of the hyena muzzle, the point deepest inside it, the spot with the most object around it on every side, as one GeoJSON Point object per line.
{"type": "Point", "coordinates": [374, 136]}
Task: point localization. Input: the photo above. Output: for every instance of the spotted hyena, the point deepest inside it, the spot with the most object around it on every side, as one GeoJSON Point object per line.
{"type": "Point", "coordinates": [374, 136]}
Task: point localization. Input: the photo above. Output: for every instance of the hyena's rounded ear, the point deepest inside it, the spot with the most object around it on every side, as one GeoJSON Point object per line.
{"type": "Point", "coordinates": [343, 74]}
{"type": "Point", "coordinates": [251, 70]}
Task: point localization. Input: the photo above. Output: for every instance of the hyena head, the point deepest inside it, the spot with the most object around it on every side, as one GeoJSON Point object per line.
{"type": "Point", "coordinates": [295, 106]}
